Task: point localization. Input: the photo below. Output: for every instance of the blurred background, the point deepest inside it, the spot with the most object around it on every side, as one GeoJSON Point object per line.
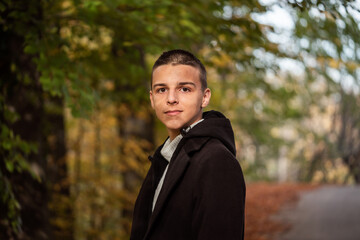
{"type": "Point", "coordinates": [77, 127]}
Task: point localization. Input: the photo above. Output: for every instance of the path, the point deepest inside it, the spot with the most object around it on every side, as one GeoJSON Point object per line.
{"type": "Point", "coordinates": [327, 213]}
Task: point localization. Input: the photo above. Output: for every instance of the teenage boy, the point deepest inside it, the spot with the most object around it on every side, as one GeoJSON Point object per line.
{"type": "Point", "coordinates": [194, 189]}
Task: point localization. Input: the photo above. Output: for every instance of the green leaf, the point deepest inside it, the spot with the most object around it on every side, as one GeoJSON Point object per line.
{"type": "Point", "coordinates": [6, 145]}
{"type": "Point", "coordinates": [30, 49]}
{"type": "Point", "coordinates": [9, 165]}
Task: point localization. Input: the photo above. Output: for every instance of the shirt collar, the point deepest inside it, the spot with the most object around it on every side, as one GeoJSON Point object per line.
{"type": "Point", "coordinates": [170, 146]}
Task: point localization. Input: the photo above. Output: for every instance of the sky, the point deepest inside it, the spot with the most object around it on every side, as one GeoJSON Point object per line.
{"type": "Point", "coordinates": [281, 17]}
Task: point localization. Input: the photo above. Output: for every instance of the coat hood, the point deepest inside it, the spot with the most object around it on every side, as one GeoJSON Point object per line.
{"type": "Point", "coordinates": [215, 125]}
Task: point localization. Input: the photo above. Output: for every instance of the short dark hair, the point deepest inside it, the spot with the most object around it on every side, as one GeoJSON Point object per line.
{"type": "Point", "coordinates": [181, 57]}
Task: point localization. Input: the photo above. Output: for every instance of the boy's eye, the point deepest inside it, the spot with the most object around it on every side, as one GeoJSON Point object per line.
{"type": "Point", "coordinates": [161, 90]}
{"type": "Point", "coordinates": [185, 89]}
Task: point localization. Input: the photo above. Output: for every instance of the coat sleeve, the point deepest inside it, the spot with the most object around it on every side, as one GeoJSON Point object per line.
{"type": "Point", "coordinates": [219, 196]}
{"type": "Point", "coordinates": [142, 209]}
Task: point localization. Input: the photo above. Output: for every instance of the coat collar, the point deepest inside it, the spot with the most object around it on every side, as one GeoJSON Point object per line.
{"type": "Point", "coordinates": [176, 169]}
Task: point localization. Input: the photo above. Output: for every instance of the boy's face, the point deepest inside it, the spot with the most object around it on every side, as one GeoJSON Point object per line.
{"type": "Point", "coordinates": [177, 96]}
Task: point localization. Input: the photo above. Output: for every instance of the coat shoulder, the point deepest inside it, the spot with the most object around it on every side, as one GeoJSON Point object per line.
{"type": "Point", "coordinates": [214, 157]}
{"type": "Point", "coordinates": [215, 150]}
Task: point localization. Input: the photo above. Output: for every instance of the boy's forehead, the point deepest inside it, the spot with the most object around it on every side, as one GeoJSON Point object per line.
{"type": "Point", "coordinates": [176, 68]}
{"type": "Point", "coordinates": [176, 73]}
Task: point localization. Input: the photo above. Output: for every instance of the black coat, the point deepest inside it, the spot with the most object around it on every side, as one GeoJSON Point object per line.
{"type": "Point", "coordinates": [203, 195]}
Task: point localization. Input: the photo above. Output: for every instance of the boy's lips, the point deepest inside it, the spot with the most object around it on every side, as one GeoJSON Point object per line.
{"type": "Point", "coordinates": [173, 112]}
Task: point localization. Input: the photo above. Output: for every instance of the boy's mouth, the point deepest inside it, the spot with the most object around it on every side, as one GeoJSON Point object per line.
{"type": "Point", "coordinates": [173, 112]}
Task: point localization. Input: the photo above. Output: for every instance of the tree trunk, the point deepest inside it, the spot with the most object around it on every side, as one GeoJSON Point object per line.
{"type": "Point", "coordinates": [135, 124]}
{"type": "Point", "coordinates": [96, 218]}
{"type": "Point", "coordinates": [78, 157]}
{"type": "Point", "coordinates": [353, 162]}
{"type": "Point", "coordinates": [136, 133]}
{"type": "Point", "coordinates": [62, 217]}
{"type": "Point", "coordinates": [45, 212]}
{"type": "Point", "coordinates": [349, 133]}
{"type": "Point", "coordinates": [26, 99]}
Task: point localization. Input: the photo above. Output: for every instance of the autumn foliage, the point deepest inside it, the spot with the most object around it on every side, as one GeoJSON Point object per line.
{"type": "Point", "coordinates": [263, 201]}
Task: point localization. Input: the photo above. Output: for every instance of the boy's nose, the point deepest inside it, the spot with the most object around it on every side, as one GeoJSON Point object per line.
{"type": "Point", "coordinates": [172, 98]}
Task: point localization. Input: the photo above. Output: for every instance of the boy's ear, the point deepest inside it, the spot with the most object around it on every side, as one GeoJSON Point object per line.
{"type": "Point", "coordinates": [151, 99]}
{"type": "Point", "coordinates": [206, 98]}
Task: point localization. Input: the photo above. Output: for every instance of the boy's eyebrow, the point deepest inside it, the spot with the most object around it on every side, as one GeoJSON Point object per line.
{"type": "Point", "coordinates": [160, 85]}
{"type": "Point", "coordinates": [186, 83]}
{"type": "Point", "coordinates": [180, 83]}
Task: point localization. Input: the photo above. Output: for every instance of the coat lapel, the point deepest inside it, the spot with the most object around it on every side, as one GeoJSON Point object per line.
{"type": "Point", "coordinates": [176, 169]}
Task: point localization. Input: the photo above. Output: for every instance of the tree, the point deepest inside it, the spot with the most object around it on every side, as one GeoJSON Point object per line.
{"type": "Point", "coordinates": [34, 172]}
{"type": "Point", "coordinates": [327, 38]}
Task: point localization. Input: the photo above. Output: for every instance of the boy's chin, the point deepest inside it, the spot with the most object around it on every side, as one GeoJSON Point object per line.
{"type": "Point", "coordinates": [174, 129]}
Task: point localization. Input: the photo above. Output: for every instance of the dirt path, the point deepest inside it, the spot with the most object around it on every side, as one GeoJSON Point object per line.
{"type": "Point", "coordinates": [327, 213]}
